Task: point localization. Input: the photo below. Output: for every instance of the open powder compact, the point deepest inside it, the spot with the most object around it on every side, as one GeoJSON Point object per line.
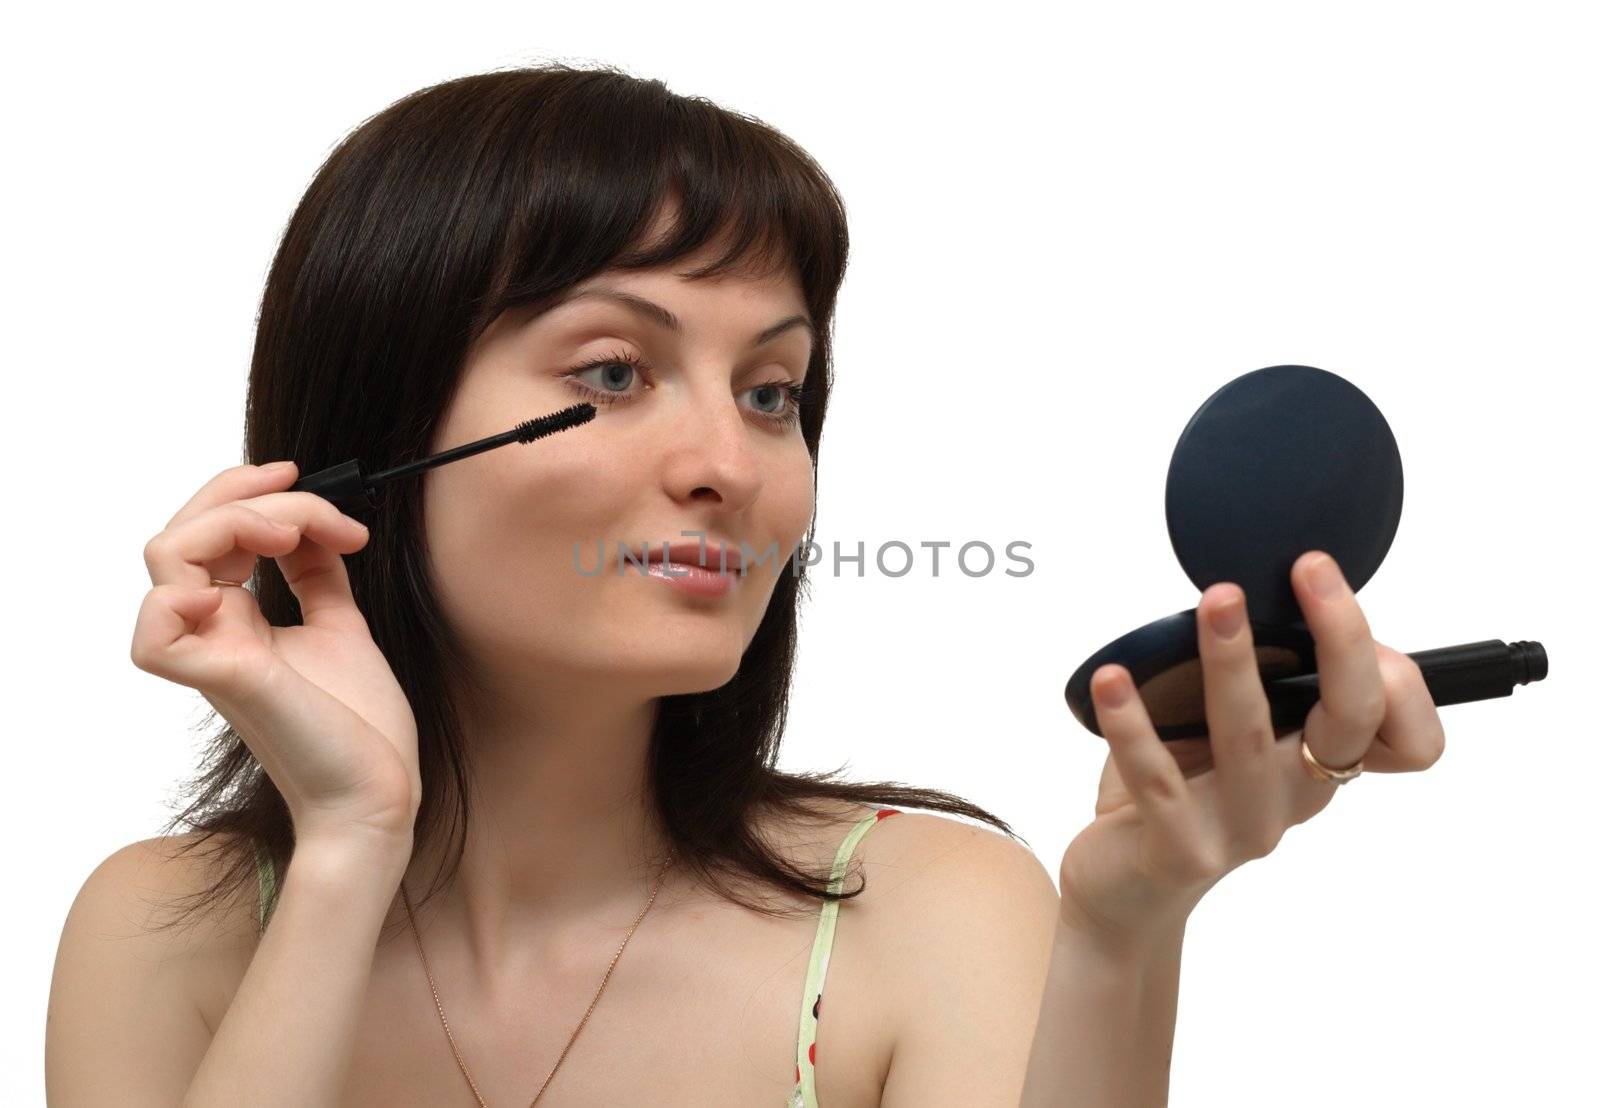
{"type": "Point", "coordinates": [1275, 463]}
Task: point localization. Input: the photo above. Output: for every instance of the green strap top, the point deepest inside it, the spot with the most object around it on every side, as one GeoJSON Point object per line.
{"type": "Point", "coordinates": [267, 880]}
{"type": "Point", "coordinates": [804, 1094]}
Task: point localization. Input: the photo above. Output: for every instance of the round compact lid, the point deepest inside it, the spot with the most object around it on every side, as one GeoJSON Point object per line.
{"type": "Point", "coordinates": [1278, 462]}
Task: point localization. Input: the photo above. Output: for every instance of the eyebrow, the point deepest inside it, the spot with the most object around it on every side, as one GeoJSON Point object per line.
{"type": "Point", "coordinates": [655, 313]}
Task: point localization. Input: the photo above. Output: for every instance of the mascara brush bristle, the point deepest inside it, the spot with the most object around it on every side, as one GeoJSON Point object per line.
{"type": "Point", "coordinates": [555, 421]}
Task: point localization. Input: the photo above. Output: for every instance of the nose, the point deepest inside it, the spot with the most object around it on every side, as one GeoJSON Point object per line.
{"type": "Point", "coordinates": [711, 456]}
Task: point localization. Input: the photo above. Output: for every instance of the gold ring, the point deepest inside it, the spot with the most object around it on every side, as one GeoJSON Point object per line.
{"type": "Point", "coordinates": [1328, 773]}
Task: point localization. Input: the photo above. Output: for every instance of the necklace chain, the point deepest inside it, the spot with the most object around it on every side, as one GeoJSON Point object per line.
{"type": "Point", "coordinates": [440, 1006]}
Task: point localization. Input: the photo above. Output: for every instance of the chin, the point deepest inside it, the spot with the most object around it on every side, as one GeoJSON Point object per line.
{"type": "Point", "coordinates": [678, 671]}
{"type": "Point", "coordinates": [674, 654]}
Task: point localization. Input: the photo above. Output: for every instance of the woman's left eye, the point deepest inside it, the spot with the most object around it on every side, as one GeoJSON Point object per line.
{"type": "Point", "coordinates": [620, 368]}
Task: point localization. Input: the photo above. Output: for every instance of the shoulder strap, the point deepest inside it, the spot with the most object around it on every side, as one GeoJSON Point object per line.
{"type": "Point", "coordinates": [266, 879]}
{"type": "Point", "coordinates": [821, 948]}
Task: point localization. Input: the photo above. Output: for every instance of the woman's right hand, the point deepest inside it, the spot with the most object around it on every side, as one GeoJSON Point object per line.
{"type": "Point", "coordinates": [316, 703]}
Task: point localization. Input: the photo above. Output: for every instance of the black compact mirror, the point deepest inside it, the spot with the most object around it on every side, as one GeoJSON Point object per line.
{"type": "Point", "coordinates": [1275, 463]}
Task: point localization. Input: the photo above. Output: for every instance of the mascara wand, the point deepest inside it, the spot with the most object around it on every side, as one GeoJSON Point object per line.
{"type": "Point", "coordinates": [350, 488]}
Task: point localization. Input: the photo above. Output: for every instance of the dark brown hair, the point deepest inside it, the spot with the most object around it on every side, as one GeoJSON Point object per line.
{"type": "Point", "coordinates": [451, 205]}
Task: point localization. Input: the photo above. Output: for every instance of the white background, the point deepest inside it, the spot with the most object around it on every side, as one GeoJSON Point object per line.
{"type": "Point", "coordinates": [1068, 230]}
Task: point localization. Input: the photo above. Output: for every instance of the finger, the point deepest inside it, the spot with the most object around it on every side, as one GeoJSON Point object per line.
{"type": "Point", "coordinates": [315, 571]}
{"type": "Point", "coordinates": [219, 543]}
{"type": "Point", "coordinates": [169, 614]}
{"type": "Point", "coordinates": [1411, 737]}
{"type": "Point", "coordinates": [1351, 705]}
{"type": "Point", "coordinates": [320, 582]}
{"type": "Point", "coordinates": [1149, 773]}
{"type": "Point", "coordinates": [1238, 722]}
{"type": "Point", "coordinates": [222, 542]}
{"type": "Point", "coordinates": [1192, 755]}
{"type": "Point", "coordinates": [1308, 795]}
{"type": "Point", "coordinates": [236, 484]}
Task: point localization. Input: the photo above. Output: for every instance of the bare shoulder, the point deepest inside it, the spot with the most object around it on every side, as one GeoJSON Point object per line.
{"type": "Point", "coordinates": [930, 860]}
{"type": "Point", "coordinates": [131, 907]}
{"type": "Point", "coordinates": [127, 981]}
{"type": "Point", "coordinates": [134, 895]}
{"type": "Point", "coordinates": [962, 918]}
{"type": "Point", "coordinates": [923, 854]}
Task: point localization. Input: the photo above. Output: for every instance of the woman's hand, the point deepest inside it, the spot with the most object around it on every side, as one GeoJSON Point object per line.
{"type": "Point", "coordinates": [316, 703]}
{"type": "Point", "coordinates": [1173, 817]}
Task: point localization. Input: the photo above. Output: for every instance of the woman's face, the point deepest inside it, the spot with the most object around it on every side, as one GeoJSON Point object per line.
{"type": "Point", "coordinates": [697, 438]}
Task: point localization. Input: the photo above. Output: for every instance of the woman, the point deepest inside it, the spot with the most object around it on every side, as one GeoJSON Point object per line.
{"type": "Point", "coordinates": [475, 729]}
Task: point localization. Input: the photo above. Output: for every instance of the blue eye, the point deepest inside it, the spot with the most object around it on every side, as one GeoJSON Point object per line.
{"type": "Point", "coordinates": [632, 365]}
{"type": "Point", "coordinates": [607, 378]}
{"type": "Point", "coordinates": [791, 396]}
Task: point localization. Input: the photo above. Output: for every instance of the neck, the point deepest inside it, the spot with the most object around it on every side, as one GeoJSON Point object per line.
{"type": "Point", "coordinates": [563, 842]}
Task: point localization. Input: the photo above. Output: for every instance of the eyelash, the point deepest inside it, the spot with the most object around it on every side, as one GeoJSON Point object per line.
{"type": "Point", "coordinates": [643, 367]}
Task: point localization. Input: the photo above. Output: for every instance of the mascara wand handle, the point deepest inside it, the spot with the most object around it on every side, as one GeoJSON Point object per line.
{"type": "Point", "coordinates": [345, 484]}
{"type": "Point", "coordinates": [1454, 675]}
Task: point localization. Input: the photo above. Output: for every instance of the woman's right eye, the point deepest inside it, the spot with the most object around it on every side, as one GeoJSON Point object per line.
{"type": "Point", "coordinates": [614, 372]}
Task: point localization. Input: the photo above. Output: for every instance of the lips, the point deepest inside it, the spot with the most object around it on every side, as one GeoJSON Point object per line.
{"type": "Point", "coordinates": [714, 555]}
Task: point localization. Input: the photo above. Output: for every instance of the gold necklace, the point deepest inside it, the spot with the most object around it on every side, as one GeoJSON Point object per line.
{"type": "Point", "coordinates": [453, 1049]}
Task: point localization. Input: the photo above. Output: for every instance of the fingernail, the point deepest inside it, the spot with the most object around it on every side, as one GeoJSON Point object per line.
{"type": "Point", "coordinates": [1326, 580]}
{"type": "Point", "coordinates": [277, 467]}
{"type": "Point", "coordinates": [1228, 619]}
{"type": "Point", "coordinates": [1114, 691]}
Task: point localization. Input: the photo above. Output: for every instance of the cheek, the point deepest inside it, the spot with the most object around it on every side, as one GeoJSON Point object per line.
{"type": "Point", "coordinates": [795, 498]}
{"type": "Point", "coordinates": [788, 500]}
{"type": "Point", "coordinates": [501, 525]}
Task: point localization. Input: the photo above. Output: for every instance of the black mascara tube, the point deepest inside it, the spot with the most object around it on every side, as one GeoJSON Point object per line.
{"type": "Point", "coordinates": [1454, 675]}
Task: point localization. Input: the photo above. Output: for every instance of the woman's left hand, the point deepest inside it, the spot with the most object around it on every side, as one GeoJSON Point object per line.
{"type": "Point", "coordinates": [1173, 817]}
